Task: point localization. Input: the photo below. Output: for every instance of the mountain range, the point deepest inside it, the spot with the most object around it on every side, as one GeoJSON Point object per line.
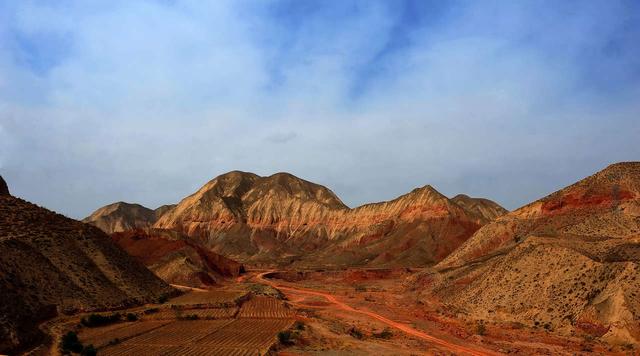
{"type": "Point", "coordinates": [284, 220]}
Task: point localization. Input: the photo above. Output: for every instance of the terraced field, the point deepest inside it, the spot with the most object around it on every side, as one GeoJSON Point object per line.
{"type": "Point", "coordinates": [180, 333]}
{"type": "Point", "coordinates": [264, 307]}
{"type": "Point", "coordinates": [212, 313]}
{"type": "Point", "coordinates": [219, 328]}
{"type": "Point", "coordinates": [210, 299]}
{"type": "Point", "coordinates": [100, 337]}
{"type": "Point", "coordinates": [247, 334]}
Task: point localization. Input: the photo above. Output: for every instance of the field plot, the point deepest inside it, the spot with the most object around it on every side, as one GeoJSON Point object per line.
{"type": "Point", "coordinates": [179, 332]}
{"type": "Point", "coordinates": [99, 337]}
{"type": "Point", "coordinates": [206, 351]}
{"type": "Point", "coordinates": [211, 313]}
{"type": "Point", "coordinates": [209, 299]}
{"type": "Point", "coordinates": [264, 307]}
{"type": "Point", "coordinates": [139, 350]}
{"type": "Point", "coordinates": [258, 334]}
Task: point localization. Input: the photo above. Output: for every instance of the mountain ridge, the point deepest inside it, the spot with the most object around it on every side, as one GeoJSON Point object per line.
{"type": "Point", "coordinates": [281, 217]}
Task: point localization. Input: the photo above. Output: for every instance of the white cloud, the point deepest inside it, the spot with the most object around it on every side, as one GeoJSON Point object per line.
{"type": "Point", "coordinates": [151, 100]}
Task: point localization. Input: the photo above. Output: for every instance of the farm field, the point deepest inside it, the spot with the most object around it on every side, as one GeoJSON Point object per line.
{"type": "Point", "coordinates": [202, 337]}
{"type": "Point", "coordinates": [210, 299]}
{"type": "Point", "coordinates": [100, 337]}
{"type": "Point", "coordinates": [179, 333]}
{"type": "Point", "coordinates": [247, 333]}
{"type": "Point", "coordinates": [211, 313]}
{"type": "Point", "coordinates": [264, 307]}
{"type": "Point", "coordinates": [220, 322]}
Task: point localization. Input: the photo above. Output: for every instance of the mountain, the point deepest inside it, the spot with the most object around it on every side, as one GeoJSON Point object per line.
{"type": "Point", "coordinates": [50, 264]}
{"type": "Point", "coordinates": [485, 209]}
{"type": "Point", "coordinates": [290, 220]}
{"type": "Point", "coordinates": [121, 216]}
{"type": "Point", "coordinates": [569, 262]}
{"type": "Point", "coordinates": [177, 259]}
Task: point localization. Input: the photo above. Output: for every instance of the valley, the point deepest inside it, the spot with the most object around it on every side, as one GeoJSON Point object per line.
{"type": "Point", "coordinates": [277, 265]}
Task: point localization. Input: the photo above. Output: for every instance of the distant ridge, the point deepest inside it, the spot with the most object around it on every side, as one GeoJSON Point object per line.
{"type": "Point", "coordinates": [121, 216]}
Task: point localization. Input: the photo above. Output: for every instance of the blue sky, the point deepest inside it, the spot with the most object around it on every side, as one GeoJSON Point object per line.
{"type": "Point", "coordinates": [144, 101]}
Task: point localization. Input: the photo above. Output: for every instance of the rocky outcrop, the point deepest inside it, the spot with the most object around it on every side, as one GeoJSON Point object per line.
{"type": "Point", "coordinates": [177, 259]}
{"type": "Point", "coordinates": [568, 262]}
{"type": "Point", "coordinates": [50, 264]}
{"type": "Point", "coordinates": [289, 220]}
{"type": "Point", "coordinates": [4, 189]}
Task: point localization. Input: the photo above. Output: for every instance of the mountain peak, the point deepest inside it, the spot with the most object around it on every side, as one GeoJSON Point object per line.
{"type": "Point", "coordinates": [121, 216]}
{"type": "Point", "coordinates": [485, 209]}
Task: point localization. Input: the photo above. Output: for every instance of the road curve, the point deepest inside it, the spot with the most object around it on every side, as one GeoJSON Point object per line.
{"type": "Point", "coordinates": [402, 327]}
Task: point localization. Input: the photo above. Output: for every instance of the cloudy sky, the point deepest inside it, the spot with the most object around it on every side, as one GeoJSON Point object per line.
{"type": "Point", "coordinates": [145, 101]}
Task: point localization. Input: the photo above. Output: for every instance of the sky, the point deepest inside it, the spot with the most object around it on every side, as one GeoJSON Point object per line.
{"type": "Point", "coordinates": [145, 101]}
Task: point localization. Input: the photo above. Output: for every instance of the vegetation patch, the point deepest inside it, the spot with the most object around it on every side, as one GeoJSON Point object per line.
{"type": "Point", "coordinates": [384, 334]}
{"type": "Point", "coordinates": [95, 320]}
{"type": "Point", "coordinates": [71, 344]}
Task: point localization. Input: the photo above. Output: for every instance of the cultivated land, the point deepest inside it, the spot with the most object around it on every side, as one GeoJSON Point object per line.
{"type": "Point", "coordinates": [230, 320]}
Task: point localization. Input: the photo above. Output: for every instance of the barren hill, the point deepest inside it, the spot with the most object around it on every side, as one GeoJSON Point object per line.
{"type": "Point", "coordinates": [51, 264]}
{"type": "Point", "coordinates": [177, 259]}
{"type": "Point", "coordinates": [568, 262]}
{"type": "Point", "coordinates": [485, 209]}
{"type": "Point", "coordinates": [287, 219]}
{"type": "Point", "coordinates": [121, 216]}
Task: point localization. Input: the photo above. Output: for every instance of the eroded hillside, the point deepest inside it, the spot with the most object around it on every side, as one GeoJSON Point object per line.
{"type": "Point", "coordinates": [50, 264]}
{"type": "Point", "coordinates": [568, 262]}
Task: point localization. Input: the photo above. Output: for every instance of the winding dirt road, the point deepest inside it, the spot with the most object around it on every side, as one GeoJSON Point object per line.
{"type": "Point", "coordinates": [458, 349]}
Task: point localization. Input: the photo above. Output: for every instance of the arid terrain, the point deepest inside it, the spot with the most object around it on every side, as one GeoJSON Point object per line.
{"type": "Point", "coordinates": [51, 265]}
{"type": "Point", "coordinates": [569, 262]}
{"type": "Point", "coordinates": [177, 259]}
{"type": "Point", "coordinates": [422, 274]}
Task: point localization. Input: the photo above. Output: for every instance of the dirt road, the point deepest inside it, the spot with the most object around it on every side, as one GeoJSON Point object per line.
{"type": "Point", "coordinates": [458, 349]}
{"type": "Point", "coordinates": [187, 288]}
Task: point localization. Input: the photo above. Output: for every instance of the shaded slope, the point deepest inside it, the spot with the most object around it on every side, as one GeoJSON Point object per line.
{"type": "Point", "coordinates": [51, 264]}
{"type": "Point", "coordinates": [177, 259]}
{"type": "Point", "coordinates": [568, 262]}
{"type": "Point", "coordinates": [4, 189]}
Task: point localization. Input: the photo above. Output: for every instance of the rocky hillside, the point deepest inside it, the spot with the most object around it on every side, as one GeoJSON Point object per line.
{"type": "Point", "coordinates": [287, 219]}
{"type": "Point", "coordinates": [568, 262]}
{"type": "Point", "coordinates": [50, 264]}
{"type": "Point", "coordinates": [177, 259]}
{"type": "Point", "coordinates": [121, 216]}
